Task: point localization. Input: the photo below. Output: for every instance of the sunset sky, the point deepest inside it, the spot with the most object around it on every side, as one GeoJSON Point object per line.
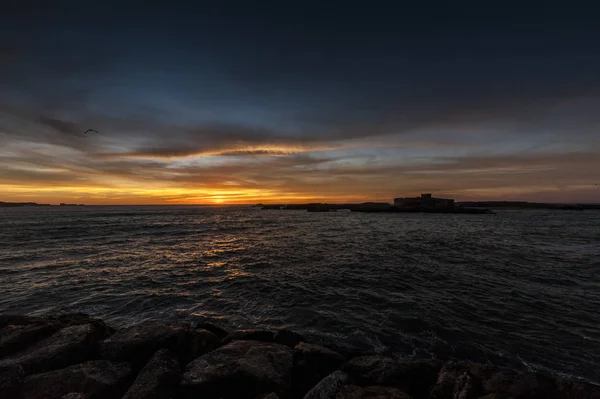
{"type": "Point", "coordinates": [277, 101]}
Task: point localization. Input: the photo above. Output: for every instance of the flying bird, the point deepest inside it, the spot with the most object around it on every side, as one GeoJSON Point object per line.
{"type": "Point", "coordinates": [91, 130]}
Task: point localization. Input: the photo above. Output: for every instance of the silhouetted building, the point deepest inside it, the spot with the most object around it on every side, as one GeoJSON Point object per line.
{"type": "Point", "coordinates": [425, 200]}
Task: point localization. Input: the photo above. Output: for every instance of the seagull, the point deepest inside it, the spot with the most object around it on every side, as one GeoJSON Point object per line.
{"type": "Point", "coordinates": [91, 130]}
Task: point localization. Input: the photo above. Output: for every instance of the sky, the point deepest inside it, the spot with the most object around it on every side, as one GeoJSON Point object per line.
{"type": "Point", "coordinates": [297, 101]}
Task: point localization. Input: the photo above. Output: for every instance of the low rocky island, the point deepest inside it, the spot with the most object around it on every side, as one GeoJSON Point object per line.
{"type": "Point", "coordinates": [76, 356]}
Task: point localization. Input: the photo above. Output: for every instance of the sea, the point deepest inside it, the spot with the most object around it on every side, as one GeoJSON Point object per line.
{"type": "Point", "coordinates": [520, 288]}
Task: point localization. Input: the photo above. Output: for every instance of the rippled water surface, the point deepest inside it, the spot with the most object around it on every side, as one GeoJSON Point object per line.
{"type": "Point", "coordinates": [519, 288]}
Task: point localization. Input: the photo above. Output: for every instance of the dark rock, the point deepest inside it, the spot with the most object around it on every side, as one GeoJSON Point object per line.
{"type": "Point", "coordinates": [249, 335]}
{"type": "Point", "coordinates": [10, 380]}
{"type": "Point", "coordinates": [418, 377]}
{"type": "Point", "coordinates": [456, 382]}
{"type": "Point", "coordinates": [496, 396]}
{"type": "Point", "coordinates": [75, 395]}
{"type": "Point", "coordinates": [372, 392]}
{"type": "Point", "coordinates": [515, 384]}
{"type": "Point", "coordinates": [329, 386]}
{"type": "Point", "coordinates": [208, 326]}
{"type": "Point", "coordinates": [312, 363]}
{"type": "Point", "coordinates": [287, 337]}
{"type": "Point", "coordinates": [573, 390]}
{"type": "Point", "coordinates": [75, 319]}
{"type": "Point", "coordinates": [239, 369]}
{"type": "Point", "coordinates": [139, 342]}
{"type": "Point", "coordinates": [374, 370]}
{"type": "Point", "coordinates": [15, 320]}
{"type": "Point", "coordinates": [16, 337]}
{"type": "Point", "coordinates": [159, 379]}
{"type": "Point", "coordinates": [99, 379]}
{"type": "Point", "coordinates": [67, 346]}
{"type": "Point", "coordinates": [272, 395]}
{"type": "Point", "coordinates": [200, 342]}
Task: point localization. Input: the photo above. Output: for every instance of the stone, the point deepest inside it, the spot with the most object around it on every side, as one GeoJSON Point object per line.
{"type": "Point", "coordinates": [374, 370]}
{"type": "Point", "coordinates": [456, 382]}
{"type": "Point", "coordinates": [65, 347]}
{"type": "Point", "coordinates": [159, 379]}
{"type": "Point", "coordinates": [200, 342]}
{"type": "Point", "coordinates": [239, 369]}
{"type": "Point", "coordinates": [208, 326]}
{"type": "Point", "coordinates": [138, 343]}
{"type": "Point", "coordinates": [251, 335]}
{"type": "Point", "coordinates": [417, 377]}
{"type": "Point", "coordinates": [10, 380]}
{"type": "Point", "coordinates": [272, 395]}
{"type": "Point", "coordinates": [288, 337]}
{"type": "Point", "coordinates": [329, 386]}
{"type": "Point", "coordinates": [372, 392]}
{"type": "Point", "coordinates": [15, 319]}
{"type": "Point", "coordinates": [75, 395]}
{"type": "Point", "coordinates": [98, 379]}
{"type": "Point", "coordinates": [312, 363]}
{"type": "Point", "coordinates": [16, 337]}
{"type": "Point", "coordinates": [573, 390]}
{"type": "Point", "coordinates": [496, 396]}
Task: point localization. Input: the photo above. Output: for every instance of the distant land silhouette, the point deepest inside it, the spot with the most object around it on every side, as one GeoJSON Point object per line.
{"type": "Point", "coordinates": [22, 204]}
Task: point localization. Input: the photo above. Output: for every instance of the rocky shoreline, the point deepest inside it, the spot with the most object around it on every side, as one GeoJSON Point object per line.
{"type": "Point", "coordinates": [76, 356]}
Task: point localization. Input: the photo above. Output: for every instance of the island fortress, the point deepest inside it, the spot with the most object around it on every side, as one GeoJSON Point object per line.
{"type": "Point", "coordinates": [425, 200]}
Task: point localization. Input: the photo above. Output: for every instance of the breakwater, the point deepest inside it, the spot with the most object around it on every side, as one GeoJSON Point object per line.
{"type": "Point", "coordinates": [75, 356]}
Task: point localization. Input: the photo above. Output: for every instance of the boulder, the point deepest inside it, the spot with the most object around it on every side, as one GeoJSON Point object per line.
{"type": "Point", "coordinates": [573, 390]}
{"type": "Point", "coordinates": [495, 396]}
{"type": "Point", "coordinates": [312, 363]}
{"type": "Point", "coordinates": [208, 326]}
{"type": "Point", "coordinates": [15, 319]}
{"type": "Point", "coordinates": [287, 337]}
{"type": "Point", "coordinates": [98, 379]}
{"type": "Point", "coordinates": [239, 369]}
{"type": "Point", "coordinates": [16, 337]}
{"type": "Point", "coordinates": [372, 392]}
{"type": "Point", "coordinates": [455, 381]}
{"type": "Point", "coordinates": [159, 379]}
{"type": "Point", "coordinates": [75, 395]}
{"type": "Point", "coordinates": [417, 377]}
{"type": "Point", "coordinates": [65, 347]}
{"type": "Point", "coordinates": [10, 380]}
{"type": "Point", "coordinates": [200, 342]}
{"type": "Point", "coordinates": [329, 386]}
{"type": "Point", "coordinates": [249, 335]}
{"type": "Point", "coordinates": [272, 395]}
{"type": "Point", "coordinates": [138, 343]}
{"type": "Point", "coordinates": [374, 370]}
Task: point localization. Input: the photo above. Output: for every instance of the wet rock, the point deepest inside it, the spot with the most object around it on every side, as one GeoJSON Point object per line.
{"type": "Point", "coordinates": [573, 390]}
{"type": "Point", "coordinates": [10, 380]}
{"type": "Point", "coordinates": [496, 396]}
{"type": "Point", "coordinates": [200, 342]}
{"type": "Point", "coordinates": [159, 379]}
{"type": "Point", "coordinates": [208, 326]}
{"type": "Point", "coordinates": [329, 386]}
{"type": "Point", "coordinates": [372, 392]}
{"type": "Point", "coordinates": [287, 337]}
{"type": "Point", "coordinates": [139, 342]}
{"type": "Point", "coordinates": [417, 377]}
{"type": "Point", "coordinates": [75, 395]}
{"type": "Point", "coordinates": [16, 320]}
{"type": "Point", "coordinates": [239, 369]}
{"type": "Point", "coordinates": [312, 363]}
{"type": "Point", "coordinates": [15, 337]}
{"type": "Point", "coordinates": [456, 382]}
{"type": "Point", "coordinates": [67, 346]}
{"type": "Point", "coordinates": [374, 370]}
{"type": "Point", "coordinates": [272, 395]}
{"type": "Point", "coordinates": [249, 335]}
{"type": "Point", "coordinates": [98, 379]}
